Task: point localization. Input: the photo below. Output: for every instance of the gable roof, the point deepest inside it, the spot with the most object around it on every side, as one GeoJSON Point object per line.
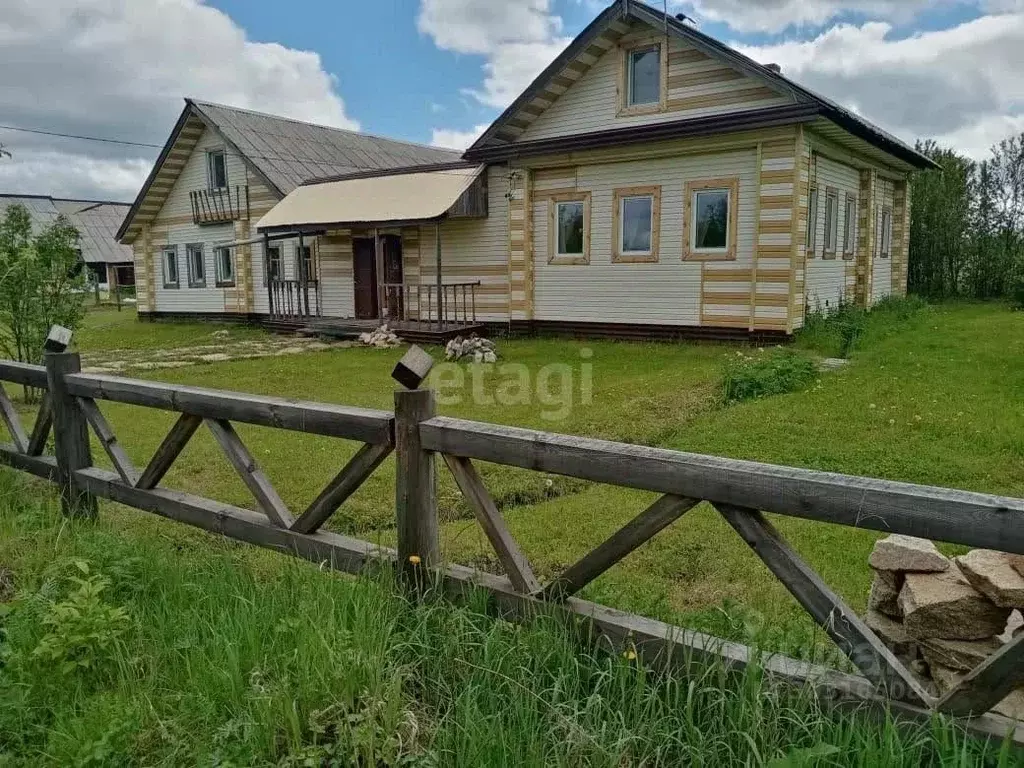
{"type": "Point", "coordinates": [604, 32]}
{"type": "Point", "coordinates": [96, 221]}
{"type": "Point", "coordinates": [281, 151]}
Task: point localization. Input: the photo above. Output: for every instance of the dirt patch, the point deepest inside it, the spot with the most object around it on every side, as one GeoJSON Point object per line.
{"type": "Point", "coordinates": [222, 348]}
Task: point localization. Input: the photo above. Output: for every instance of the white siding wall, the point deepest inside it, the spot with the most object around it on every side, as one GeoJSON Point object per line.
{"type": "Point", "coordinates": [173, 225]}
{"type": "Point", "coordinates": [593, 102]}
{"type": "Point", "coordinates": [881, 279]}
{"type": "Point", "coordinates": [666, 292]}
{"type": "Point", "coordinates": [826, 278]}
{"type": "Point", "coordinates": [337, 298]}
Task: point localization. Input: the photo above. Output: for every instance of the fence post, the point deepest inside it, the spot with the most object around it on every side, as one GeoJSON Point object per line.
{"type": "Point", "coordinates": [70, 435]}
{"type": "Point", "coordinates": [415, 485]}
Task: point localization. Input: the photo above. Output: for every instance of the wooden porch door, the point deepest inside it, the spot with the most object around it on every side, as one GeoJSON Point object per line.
{"type": "Point", "coordinates": [364, 276]}
{"type": "Point", "coordinates": [391, 246]}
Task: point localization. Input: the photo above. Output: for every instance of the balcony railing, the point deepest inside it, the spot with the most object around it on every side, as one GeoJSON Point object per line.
{"type": "Point", "coordinates": [220, 205]}
{"type": "Point", "coordinates": [419, 302]}
{"type": "Point", "coordinates": [291, 299]}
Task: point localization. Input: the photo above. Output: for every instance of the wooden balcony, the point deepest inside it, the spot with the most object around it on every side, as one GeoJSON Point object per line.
{"type": "Point", "coordinates": [219, 206]}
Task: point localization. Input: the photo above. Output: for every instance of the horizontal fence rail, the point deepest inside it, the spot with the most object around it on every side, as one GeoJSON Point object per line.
{"type": "Point", "coordinates": [741, 491]}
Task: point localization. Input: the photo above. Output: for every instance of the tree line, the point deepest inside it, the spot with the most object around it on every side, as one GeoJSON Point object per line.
{"type": "Point", "coordinates": [967, 224]}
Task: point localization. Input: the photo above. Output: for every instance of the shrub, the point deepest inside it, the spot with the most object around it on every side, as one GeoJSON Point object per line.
{"type": "Point", "coordinates": [766, 373]}
{"type": "Point", "coordinates": [1017, 294]}
{"type": "Point", "coordinates": [900, 307]}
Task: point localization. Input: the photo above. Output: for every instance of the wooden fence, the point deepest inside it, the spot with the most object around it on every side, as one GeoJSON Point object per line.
{"type": "Point", "coordinates": [740, 490]}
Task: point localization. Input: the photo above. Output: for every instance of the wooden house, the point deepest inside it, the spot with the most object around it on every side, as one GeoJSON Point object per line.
{"type": "Point", "coordinates": [650, 182]}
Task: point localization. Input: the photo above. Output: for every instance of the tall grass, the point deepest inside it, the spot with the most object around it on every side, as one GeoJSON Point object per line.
{"type": "Point", "coordinates": [839, 331]}
{"type": "Point", "coordinates": [227, 659]}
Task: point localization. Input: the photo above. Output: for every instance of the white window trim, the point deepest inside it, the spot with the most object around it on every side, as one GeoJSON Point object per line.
{"type": "Point", "coordinates": [191, 249]}
{"type": "Point", "coordinates": [811, 241]}
{"type": "Point", "coordinates": [831, 244]}
{"type": "Point", "coordinates": [558, 218]}
{"type": "Point", "coordinates": [630, 54]}
{"type": "Point", "coordinates": [694, 209]}
{"type": "Point", "coordinates": [850, 227]}
{"type": "Point", "coordinates": [221, 280]}
{"type": "Point", "coordinates": [312, 261]}
{"type": "Point", "coordinates": [210, 153]}
{"type": "Point", "coordinates": [622, 225]}
{"type": "Point", "coordinates": [280, 263]}
{"type": "Point", "coordinates": [886, 233]}
{"type": "Point", "coordinates": [169, 255]}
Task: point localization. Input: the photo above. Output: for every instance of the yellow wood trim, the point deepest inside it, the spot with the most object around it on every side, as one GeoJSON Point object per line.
{"type": "Point", "coordinates": [553, 201]}
{"type": "Point", "coordinates": [776, 202]}
{"type": "Point", "coordinates": [800, 189]}
{"type": "Point", "coordinates": [705, 77]}
{"type": "Point", "coordinates": [528, 247]}
{"type": "Point", "coordinates": [732, 184]}
{"type": "Point", "coordinates": [654, 191]}
{"type": "Point", "coordinates": [758, 181]}
{"type": "Point", "coordinates": [745, 298]}
{"type": "Point", "coordinates": [622, 95]}
{"type": "Point", "coordinates": [688, 56]}
{"type": "Point", "coordinates": [832, 192]}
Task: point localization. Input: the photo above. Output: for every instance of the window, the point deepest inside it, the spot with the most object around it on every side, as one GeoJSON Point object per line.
{"type": "Point", "coordinates": [195, 264]}
{"type": "Point", "coordinates": [712, 219]}
{"type": "Point", "coordinates": [274, 265]}
{"type": "Point", "coordinates": [636, 218]}
{"type": "Point", "coordinates": [812, 221]}
{"type": "Point", "coordinates": [306, 254]}
{"type": "Point", "coordinates": [643, 76]}
{"type": "Point", "coordinates": [831, 221]}
{"type": "Point", "coordinates": [224, 267]}
{"type": "Point", "coordinates": [850, 227]}
{"type": "Point", "coordinates": [170, 262]}
{"type": "Point", "coordinates": [217, 169]}
{"type": "Point", "coordinates": [886, 233]}
{"type": "Point", "coordinates": [569, 228]}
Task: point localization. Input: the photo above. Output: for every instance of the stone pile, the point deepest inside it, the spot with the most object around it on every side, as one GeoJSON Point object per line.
{"type": "Point", "coordinates": [944, 617]}
{"type": "Point", "coordinates": [475, 348]}
{"type": "Point", "coordinates": [383, 338]}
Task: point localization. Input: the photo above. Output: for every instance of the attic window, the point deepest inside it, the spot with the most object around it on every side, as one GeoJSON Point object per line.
{"type": "Point", "coordinates": [643, 76]}
{"type": "Point", "coordinates": [217, 169]}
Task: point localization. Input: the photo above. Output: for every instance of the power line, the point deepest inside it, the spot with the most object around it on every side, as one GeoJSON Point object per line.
{"type": "Point", "coordinates": [82, 138]}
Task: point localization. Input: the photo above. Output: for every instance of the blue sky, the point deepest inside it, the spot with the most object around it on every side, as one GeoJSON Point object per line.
{"type": "Point", "coordinates": [439, 71]}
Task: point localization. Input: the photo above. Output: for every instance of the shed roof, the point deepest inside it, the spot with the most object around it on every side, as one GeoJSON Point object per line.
{"type": "Point", "coordinates": [96, 221]}
{"type": "Point", "coordinates": [411, 196]}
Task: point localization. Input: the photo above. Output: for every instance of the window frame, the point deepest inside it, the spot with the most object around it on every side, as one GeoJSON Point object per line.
{"type": "Point", "coordinates": [619, 254]}
{"type": "Point", "coordinates": [885, 246]}
{"type": "Point", "coordinates": [811, 237]}
{"type": "Point", "coordinates": [190, 274]}
{"type": "Point", "coordinates": [219, 280]}
{"type": "Point", "coordinates": [850, 226]}
{"type": "Point", "coordinates": [554, 257]}
{"type": "Point", "coordinates": [831, 235]}
{"type": "Point", "coordinates": [311, 273]}
{"type": "Point", "coordinates": [169, 255]}
{"type": "Point", "coordinates": [625, 79]}
{"type": "Point", "coordinates": [210, 155]}
{"type": "Point", "coordinates": [729, 185]}
{"type": "Point", "coordinates": [268, 260]}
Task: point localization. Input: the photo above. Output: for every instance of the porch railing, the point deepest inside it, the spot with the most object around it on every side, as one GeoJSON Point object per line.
{"type": "Point", "coordinates": [292, 299]}
{"type": "Point", "coordinates": [219, 206]}
{"type": "Point", "coordinates": [405, 301]}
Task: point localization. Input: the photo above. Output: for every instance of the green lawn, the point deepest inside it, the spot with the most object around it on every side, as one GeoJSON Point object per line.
{"type": "Point", "coordinates": [933, 399]}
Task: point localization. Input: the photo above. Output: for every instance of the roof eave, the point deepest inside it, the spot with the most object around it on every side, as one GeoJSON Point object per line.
{"type": "Point", "coordinates": [887, 144]}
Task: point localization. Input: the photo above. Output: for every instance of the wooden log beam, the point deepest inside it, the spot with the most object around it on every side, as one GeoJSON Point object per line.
{"type": "Point", "coordinates": [169, 450]}
{"type": "Point", "coordinates": [247, 468]}
{"type": "Point", "coordinates": [511, 557]}
{"type": "Point", "coordinates": [988, 683]}
{"type": "Point", "coordinates": [972, 519]}
{"type": "Point", "coordinates": [23, 373]}
{"type": "Point", "coordinates": [633, 534]}
{"type": "Point", "coordinates": [416, 520]}
{"type": "Point", "coordinates": [40, 466]}
{"type": "Point", "coordinates": [41, 429]}
{"type": "Point", "coordinates": [369, 426]}
{"type": "Point", "coordinates": [344, 484]}
{"type": "Point", "coordinates": [13, 421]}
{"type": "Point", "coordinates": [70, 433]}
{"type": "Point", "coordinates": [843, 625]}
{"type": "Point", "coordinates": [124, 466]}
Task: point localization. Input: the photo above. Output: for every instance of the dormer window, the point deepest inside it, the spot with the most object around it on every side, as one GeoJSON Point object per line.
{"type": "Point", "coordinates": [643, 76]}
{"type": "Point", "coordinates": [217, 169]}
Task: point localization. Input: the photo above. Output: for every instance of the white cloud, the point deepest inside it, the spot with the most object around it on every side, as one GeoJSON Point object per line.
{"type": "Point", "coordinates": [960, 84]}
{"type": "Point", "coordinates": [452, 139]}
{"type": "Point", "coordinates": [516, 38]}
{"type": "Point", "coordinates": [119, 68]}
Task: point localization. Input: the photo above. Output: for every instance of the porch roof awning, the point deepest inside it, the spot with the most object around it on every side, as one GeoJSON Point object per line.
{"type": "Point", "coordinates": [395, 198]}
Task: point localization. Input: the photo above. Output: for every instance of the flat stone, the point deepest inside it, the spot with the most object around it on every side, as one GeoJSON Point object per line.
{"type": "Point", "coordinates": [892, 633]}
{"type": "Point", "coordinates": [962, 655]}
{"type": "Point", "coordinates": [1017, 563]}
{"type": "Point", "coordinates": [1014, 626]}
{"type": "Point", "coordinates": [992, 574]}
{"type": "Point", "coordinates": [885, 593]}
{"type": "Point", "coordinates": [946, 606]}
{"type": "Point", "coordinates": [945, 678]}
{"type": "Point", "coordinates": [833, 363]}
{"type": "Point", "coordinates": [907, 553]}
{"type": "Point", "coordinates": [215, 357]}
